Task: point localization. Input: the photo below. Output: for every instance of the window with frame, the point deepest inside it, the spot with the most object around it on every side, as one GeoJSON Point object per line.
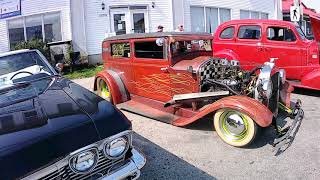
{"type": "Point", "coordinates": [246, 14]}
{"type": "Point", "coordinates": [280, 34]}
{"type": "Point", "coordinates": [41, 26]}
{"type": "Point", "coordinates": [148, 49]}
{"type": "Point", "coordinates": [249, 32]}
{"type": "Point", "coordinates": [120, 50]}
{"type": "Point", "coordinates": [227, 33]}
{"type": "Point", "coordinates": [207, 19]}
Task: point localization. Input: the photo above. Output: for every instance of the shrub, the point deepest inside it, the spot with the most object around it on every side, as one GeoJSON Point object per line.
{"type": "Point", "coordinates": [34, 44]}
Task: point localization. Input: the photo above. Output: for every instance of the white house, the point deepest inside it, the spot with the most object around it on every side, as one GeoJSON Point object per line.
{"type": "Point", "coordinates": [87, 22]}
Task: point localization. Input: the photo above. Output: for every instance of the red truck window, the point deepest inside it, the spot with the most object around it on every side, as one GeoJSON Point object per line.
{"type": "Point", "coordinates": [120, 50]}
{"type": "Point", "coordinates": [249, 32]}
{"type": "Point", "coordinates": [227, 33]}
{"type": "Point", "coordinates": [280, 34]}
{"type": "Point", "coordinates": [148, 49]}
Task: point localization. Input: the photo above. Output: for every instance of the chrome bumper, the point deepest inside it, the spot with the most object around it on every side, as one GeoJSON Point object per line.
{"type": "Point", "coordinates": [130, 170]}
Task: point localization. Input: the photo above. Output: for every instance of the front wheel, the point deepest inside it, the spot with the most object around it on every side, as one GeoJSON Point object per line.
{"type": "Point", "coordinates": [103, 90]}
{"type": "Point", "coordinates": [234, 127]}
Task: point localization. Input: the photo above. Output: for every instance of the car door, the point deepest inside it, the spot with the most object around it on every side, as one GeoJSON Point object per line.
{"type": "Point", "coordinates": [249, 46]}
{"type": "Point", "coordinates": [119, 60]}
{"type": "Point", "coordinates": [282, 43]}
{"type": "Point", "coordinates": [151, 71]}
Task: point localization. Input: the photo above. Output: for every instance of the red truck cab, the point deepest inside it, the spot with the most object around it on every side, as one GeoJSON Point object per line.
{"type": "Point", "coordinates": [253, 42]}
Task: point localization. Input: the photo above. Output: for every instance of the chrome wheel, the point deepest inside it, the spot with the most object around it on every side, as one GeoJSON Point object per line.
{"type": "Point", "coordinates": [235, 127]}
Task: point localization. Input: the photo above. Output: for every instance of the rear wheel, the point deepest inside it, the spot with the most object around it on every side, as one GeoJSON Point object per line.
{"type": "Point", "coordinates": [234, 127]}
{"type": "Point", "coordinates": [103, 90]}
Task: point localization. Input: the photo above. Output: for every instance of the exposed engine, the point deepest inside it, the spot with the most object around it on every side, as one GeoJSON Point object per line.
{"type": "Point", "coordinates": [221, 74]}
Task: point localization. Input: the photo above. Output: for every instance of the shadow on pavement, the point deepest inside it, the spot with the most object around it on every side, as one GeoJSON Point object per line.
{"type": "Point", "coordinates": [162, 164]}
{"type": "Point", "coordinates": [265, 136]}
{"type": "Point", "coordinates": [307, 92]}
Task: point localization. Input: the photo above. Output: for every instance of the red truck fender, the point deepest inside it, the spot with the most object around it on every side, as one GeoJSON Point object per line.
{"type": "Point", "coordinates": [117, 88]}
{"type": "Point", "coordinates": [226, 53]}
{"type": "Point", "coordinates": [251, 107]}
{"type": "Point", "coordinates": [312, 79]}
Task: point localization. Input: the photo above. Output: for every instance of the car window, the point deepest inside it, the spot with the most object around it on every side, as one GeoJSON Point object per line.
{"type": "Point", "coordinates": [249, 32]}
{"type": "Point", "coordinates": [120, 50]}
{"type": "Point", "coordinates": [280, 34]}
{"type": "Point", "coordinates": [227, 33]}
{"type": "Point", "coordinates": [301, 33]}
{"type": "Point", "coordinates": [148, 49]}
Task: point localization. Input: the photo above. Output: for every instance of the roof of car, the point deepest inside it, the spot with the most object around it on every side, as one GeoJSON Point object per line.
{"type": "Point", "coordinates": [155, 35]}
{"type": "Point", "coordinates": [258, 21]}
{"type": "Point", "coordinates": [15, 52]}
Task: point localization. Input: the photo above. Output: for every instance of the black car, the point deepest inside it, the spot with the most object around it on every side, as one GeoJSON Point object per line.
{"type": "Point", "coordinates": [52, 128]}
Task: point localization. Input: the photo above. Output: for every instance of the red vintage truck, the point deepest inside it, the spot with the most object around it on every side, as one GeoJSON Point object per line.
{"type": "Point", "coordinates": [171, 77]}
{"type": "Point", "coordinates": [253, 41]}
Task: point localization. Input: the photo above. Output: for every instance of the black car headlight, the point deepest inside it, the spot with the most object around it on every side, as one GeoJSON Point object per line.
{"type": "Point", "coordinates": [84, 162]}
{"type": "Point", "coordinates": [116, 148]}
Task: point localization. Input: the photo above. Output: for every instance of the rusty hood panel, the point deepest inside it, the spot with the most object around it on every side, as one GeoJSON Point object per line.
{"type": "Point", "coordinates": [196, 62]}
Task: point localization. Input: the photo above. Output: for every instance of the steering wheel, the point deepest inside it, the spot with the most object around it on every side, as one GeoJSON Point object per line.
{"type": "Point", "coordinates": [20, 73]}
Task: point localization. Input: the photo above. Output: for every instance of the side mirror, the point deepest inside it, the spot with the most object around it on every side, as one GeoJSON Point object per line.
{"type": "Point", "coordinates": [59, 67]}
{"type": "Point", "coordinates": [160, 41]}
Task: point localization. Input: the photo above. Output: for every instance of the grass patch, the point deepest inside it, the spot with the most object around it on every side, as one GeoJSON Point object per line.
{"type": "Point", "coordinates": [83, 73]}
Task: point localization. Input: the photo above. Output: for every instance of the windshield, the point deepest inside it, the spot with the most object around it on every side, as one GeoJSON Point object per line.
{"type": "Point", "coordinates": [301, 33]}
{"type": "Point", "coordinates": [22, 65]}
{"type": "Point", "coordinates": [190, 46]}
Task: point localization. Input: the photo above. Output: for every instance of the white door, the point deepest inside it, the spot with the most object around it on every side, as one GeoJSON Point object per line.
{"type": "Point", "coordinates": [124, 21]}
{"type": "Point", "coordinates": [139, 21]}
{"type": "Point", "coordinates": [120, 21]}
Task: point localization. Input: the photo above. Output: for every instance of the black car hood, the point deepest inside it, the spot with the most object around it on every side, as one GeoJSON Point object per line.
{"type": "Point", "coordinates": [61, 118]}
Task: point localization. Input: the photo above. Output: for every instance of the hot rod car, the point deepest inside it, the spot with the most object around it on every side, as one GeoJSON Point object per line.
{"type": "Point", "coordinates": [172, 77]}
{"type": "Point", "coordinates": [52, 128]}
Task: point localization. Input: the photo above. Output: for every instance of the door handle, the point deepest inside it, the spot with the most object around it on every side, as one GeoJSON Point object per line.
{"type": "Point", "coordinates": [260, 49]}
{"type": "Point", "coordinates": [165, 69]}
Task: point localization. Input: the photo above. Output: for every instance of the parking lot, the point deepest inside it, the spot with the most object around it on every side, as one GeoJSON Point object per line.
{"type": "Point", "coordinates": [196, 152]}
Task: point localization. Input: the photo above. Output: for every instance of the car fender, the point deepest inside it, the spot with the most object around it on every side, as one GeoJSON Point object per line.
{"type": "Point", "coordinates": [226, 53]}
{"type": "Point", "coordinates": [253, 108]}
{"type": "Point", "coordinates": [312, 79]}
{"type": "Point", "coordinates": [117, 88]}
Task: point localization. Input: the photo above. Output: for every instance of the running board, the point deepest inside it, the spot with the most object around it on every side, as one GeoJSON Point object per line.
{"type": "Point", "coordinates": [147, 111]}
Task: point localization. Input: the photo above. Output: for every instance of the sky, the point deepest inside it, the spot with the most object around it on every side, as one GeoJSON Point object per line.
{"type": "Point", "coordinates": [314, 4]}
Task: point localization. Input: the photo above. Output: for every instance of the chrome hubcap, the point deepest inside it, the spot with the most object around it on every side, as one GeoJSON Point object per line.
{"type": "Point", "coordinates": [235, 124]}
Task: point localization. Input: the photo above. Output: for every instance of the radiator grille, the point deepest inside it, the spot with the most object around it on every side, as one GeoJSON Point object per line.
{"type": "Point", "coordinates": [64, 173]}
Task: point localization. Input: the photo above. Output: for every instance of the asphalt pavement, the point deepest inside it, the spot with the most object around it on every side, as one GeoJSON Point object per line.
{"type": "Point", "coordinates": [196, 151]}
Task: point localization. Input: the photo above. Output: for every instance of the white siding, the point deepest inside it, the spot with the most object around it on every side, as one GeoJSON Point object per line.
{"type": "Point", "coordinates": [98, 23]}
{"type": "Point", "coordinates": [79, 39]}
{"type": "Point", "coordinates": [4, 43]}
{"type": "Point", "coordinates": [266, 6]}
{"type": "Point", "coordinates": [30, 7]}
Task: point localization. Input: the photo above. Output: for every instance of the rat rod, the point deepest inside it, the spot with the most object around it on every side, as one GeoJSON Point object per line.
{"type": "Point", "coordinates": [171, 77]}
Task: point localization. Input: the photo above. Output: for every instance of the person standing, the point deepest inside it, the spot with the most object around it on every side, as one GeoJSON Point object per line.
{"type": "Point", "coordinates": [180, 28]}
{"type": "Point", "coordinates": [160, 28]}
